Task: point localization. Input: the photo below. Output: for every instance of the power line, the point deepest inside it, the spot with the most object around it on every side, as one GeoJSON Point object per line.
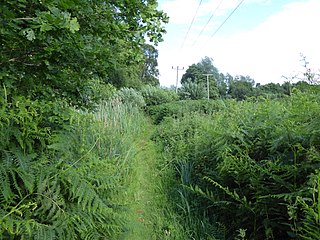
{"type": "Point", "coordinates": [212, 15]}
{"type": "Point", "coordinates": [226, 19]}
{"type": "Point", "coordinates": [191, 24]}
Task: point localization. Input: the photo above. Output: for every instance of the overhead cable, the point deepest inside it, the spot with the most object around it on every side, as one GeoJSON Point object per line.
{"type": "Point", "coordinates": [191, 24]}
{"type": "Point", "coordinates": [226, 19]}
{"type": "Point", "coordinates": [212, 15]}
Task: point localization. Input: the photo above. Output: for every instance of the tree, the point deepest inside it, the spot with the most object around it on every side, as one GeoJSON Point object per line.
{"type": "Point", "coordinates": [269, 89]}
{"type": "Point", "coordinates": [193, 73]}
{"type": "Point", "coordinates": [197, 73]}
{"type": "Point", "coordinates": [192, 90]}
{"type": "Point", "coordinates": [59, 49]}
{"type": "Point", "coordinates": [206, 64]}
{"type": "Point", "coordinates": [241, 87]}
{"type": "Point", "coordinates": [228, 79]}
{"type": "Point", "coordinates": [150, 72]}
{"type": "Point", "coordinates": [222, 85]}
{"type": "Point", "coordinates": [303, 86]}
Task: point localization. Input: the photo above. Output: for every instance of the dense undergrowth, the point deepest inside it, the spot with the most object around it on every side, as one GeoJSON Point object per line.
{"type": "Point", "coordinates": [61, 181]}
{"type": "Point", "coordinates": [247, 170]}
{"type": "Point", "coordinates": [218, 169]}
{"type": "Point", "coordinates": [76, 159]}
{"type": "Point", "coordinates": [179, 109]}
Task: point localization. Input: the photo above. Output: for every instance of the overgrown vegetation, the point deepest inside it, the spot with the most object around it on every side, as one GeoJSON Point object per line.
{"type": "Point", "coordinates": [65, 140]}
{"type": "Point", "coordinates": [67, 189]}
{"type": "Point", "coordinates": [250, 168]}
{"type": "Point", "coordinates": [71, 51]}
{"type": "Point", "coordinates": [179, 109]}
{"type": "Point", "coordinates": [76, 156]}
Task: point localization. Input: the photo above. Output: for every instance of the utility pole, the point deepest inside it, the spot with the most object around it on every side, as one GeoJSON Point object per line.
{"type": "Point", "coordinates": [208, 83]}
{"type": "Point", "coordinates": [178, 69]}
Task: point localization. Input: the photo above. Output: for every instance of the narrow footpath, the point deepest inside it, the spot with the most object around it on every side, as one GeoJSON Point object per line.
{"type": "Point", "coordinates": [141, 193]}
{"type": "Point", "coordinates": [149, 212]}
{"type": "Point", "coordinates": [145, 200]}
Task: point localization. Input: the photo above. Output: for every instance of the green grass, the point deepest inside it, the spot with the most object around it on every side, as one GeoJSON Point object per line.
{"type": "Point", "coordinates": [149, 214]}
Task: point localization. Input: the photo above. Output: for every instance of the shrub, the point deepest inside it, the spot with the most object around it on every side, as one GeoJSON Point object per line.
{"type": "Point", "coordinates": [179, 109]}
{"type": "Point", "coordinates": [130, 96]}
{"type": "Point", "coordinates": [155, 95]}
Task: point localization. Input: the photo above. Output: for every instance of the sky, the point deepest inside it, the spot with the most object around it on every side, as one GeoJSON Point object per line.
{"type": "Point", "coordinates": [263, 39]}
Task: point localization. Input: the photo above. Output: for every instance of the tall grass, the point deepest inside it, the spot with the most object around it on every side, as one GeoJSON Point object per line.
{"type": "Point", "coordinates": [144, 179]}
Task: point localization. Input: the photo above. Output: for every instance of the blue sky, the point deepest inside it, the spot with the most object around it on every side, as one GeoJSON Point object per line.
{"type": "Point", "coordinates": [262, 39]}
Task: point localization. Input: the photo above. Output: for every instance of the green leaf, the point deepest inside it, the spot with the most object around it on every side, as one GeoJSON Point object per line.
{"type": "Point", "coordinates": [74, 25]}
{"type": "Point", "coordinates": [29, 33]}
{"type": "Point", "coordinates": [45, 27]}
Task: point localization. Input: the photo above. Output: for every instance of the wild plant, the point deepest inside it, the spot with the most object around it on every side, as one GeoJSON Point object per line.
{"type": "Point", "coordinates": [251, 164]}
{"type": "Point", "coordinates": [130, 96]}
{"type": "Point", "coordinates": [61, 173]}
{"type": "Point", "coordinates": [156, 95]}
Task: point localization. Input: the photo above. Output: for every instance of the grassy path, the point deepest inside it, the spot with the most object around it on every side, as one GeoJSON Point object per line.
{"type": "Point", "coordinates": [141, 193]}
{"type": "Point", "coordinates": [149, 217]}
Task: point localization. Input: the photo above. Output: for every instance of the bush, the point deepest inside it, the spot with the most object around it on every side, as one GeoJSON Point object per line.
{"type": "Point", "coordinates": [130, 96]}
{"type": "Point", "coordinates": [179, 109]}
{"type": "Point", "coordinates": [155, 95]}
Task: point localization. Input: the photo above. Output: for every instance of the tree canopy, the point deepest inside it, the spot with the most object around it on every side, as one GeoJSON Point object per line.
{"type": "Point", "coordinates": [197, 74]}
{"type": "Point", "coordinates": [194, 84]}
{"type": "Point", "coordinates": [65, 49]}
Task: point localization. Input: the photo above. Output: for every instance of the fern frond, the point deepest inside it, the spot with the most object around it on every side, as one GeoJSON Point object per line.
{"type": "Point", "coordinates": [311, 208]}
{"type": "Point", "coordinates": [233, 194]}
{"type": "Point", "coordinates": [18, 167]}
{"type": "Point", "coordinates": [6, 193]}
{"type": "Point", "coordinates": [82, 191]}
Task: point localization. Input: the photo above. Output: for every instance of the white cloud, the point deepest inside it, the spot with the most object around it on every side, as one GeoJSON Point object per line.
{"type": "Point", "coordinates": [265, 53]}
{"type": "Point", "coordinates": [179, 11]}
{"type": "Point", "coordinates": [273, 48]}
